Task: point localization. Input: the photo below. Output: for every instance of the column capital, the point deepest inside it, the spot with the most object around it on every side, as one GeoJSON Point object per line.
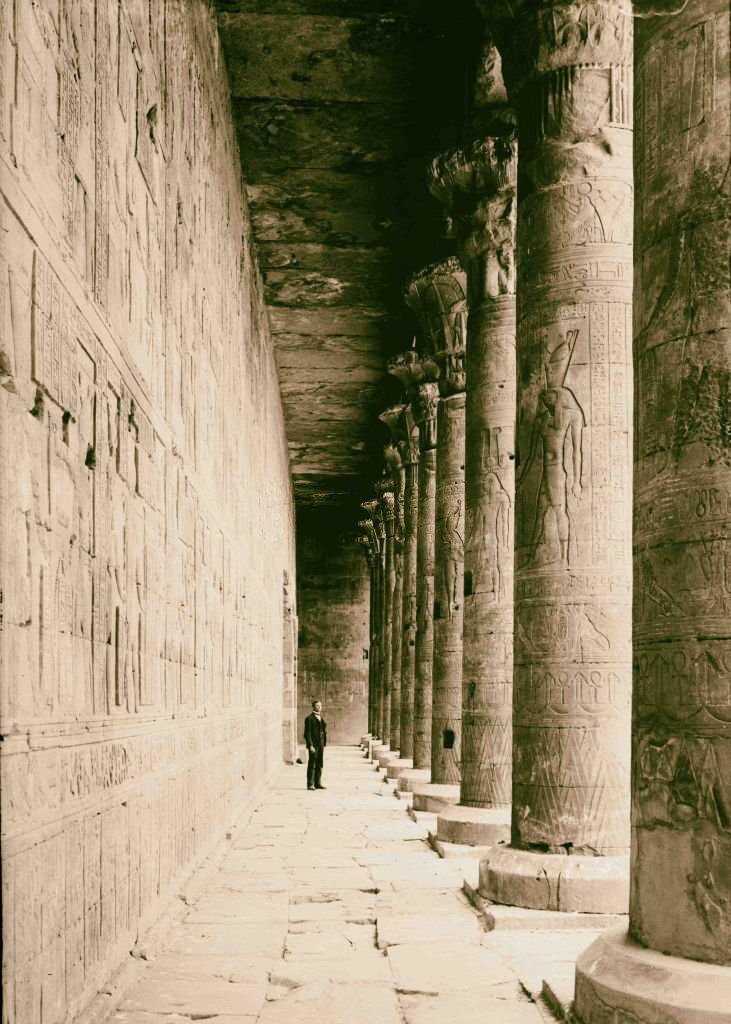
{"type": "Point", "coordinates": [476, 184]}
{"type": "Point", "coordinates": [369, 539]}
{"type": "Point", "coordinates": [388, 508]}
{"type": "Point", "coordinates": [367, 548]}
{"type": "Point", "coordinates": [537, 37]}
{"type": "Point", "coordinates": [393, 418]}
{"type": "Point", "coordinates": [438, 296]}
{"type": "Point", "coordinates": [425, 410]}
{"type": "Point", "coordinates": [409, 445]}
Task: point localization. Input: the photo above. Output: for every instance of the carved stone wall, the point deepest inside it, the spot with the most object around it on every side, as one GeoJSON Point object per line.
{"type": "Point", "coordinates": [145, 497]}
{"type": "Point", "coordinates": [332, 602]}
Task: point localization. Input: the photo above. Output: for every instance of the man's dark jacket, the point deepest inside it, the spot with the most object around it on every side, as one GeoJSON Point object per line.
{"type": "Point", "coordinates": [315, 732]}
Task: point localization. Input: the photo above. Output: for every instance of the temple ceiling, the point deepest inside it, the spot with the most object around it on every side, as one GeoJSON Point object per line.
{"type": "Point", "coordinates": [339, 105]}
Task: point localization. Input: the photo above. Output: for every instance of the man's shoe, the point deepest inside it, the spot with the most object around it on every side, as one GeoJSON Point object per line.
{"type": "Point", "coordinates": [320, 787]}
{"type": "Point", "coordinates": [310, 787]}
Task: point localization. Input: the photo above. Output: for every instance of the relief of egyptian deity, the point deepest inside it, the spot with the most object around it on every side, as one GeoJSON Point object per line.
{"type": "Point", "coordinates": [556, 450]}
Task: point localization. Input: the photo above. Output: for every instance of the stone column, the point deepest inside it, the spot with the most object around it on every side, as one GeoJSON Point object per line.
{"type": "Point", "coordinates": [405, 434]}
{"type": "Point", "coordinates": [477, 186]}
{"type": "Point", "coordinates": [409, 449]}
{"type": "Point", "coordinates": [443, 306]}
{"type": "Point", "coordinates": [568, 70]}
{"type": "Point", "coordinates": [371, 547]}
{"type": "Point", "coordinates": [388, 508]}
{"type": "Point", "coordinates": [375, 523]}
{"type": "Point", "coordinates": [366, 546]}
{"type": "Point", "coordinates": [392, 458]}
{"type": "Point", "coordinates": [675, 963]}
{"type": "Point", "coordinates": [426, 403]}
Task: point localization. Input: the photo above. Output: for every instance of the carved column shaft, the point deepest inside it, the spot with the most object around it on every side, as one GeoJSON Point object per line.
{"type": "Point", "coordinates": [392, 417]}
{"type": "Point", "coordinates": [427, 405]}
{"type": "Point", "coordinates": [448, 591]}
{"type": "Point", "coordinates": [438, 294]}
{"type": "Point", "coordinates": [477, 185]}
{"type": "Point", "coordinates": [573, 488]}
{"type": "Point", "coordinates": [373, 541]}
{"type": "Point", "coordinates": [408, 616]}
{"type": "Point", "coordinates": [682, 559]}
{"type": "Point", "coordinates": [406, 367]}
{"type": "Point", "coordinates": [680, 877]}
{"type": "Point", "coordinates": [389, 570]}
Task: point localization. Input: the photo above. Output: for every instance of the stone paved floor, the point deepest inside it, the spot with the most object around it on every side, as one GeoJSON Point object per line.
{"type": "Point", "coordinates": [330, 907]}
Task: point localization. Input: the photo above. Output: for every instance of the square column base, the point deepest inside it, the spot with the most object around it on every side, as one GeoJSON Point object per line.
{"type": "Point", "coordinates": [549, 881]}
{"type": "Point", "coordinates": [618, 979]}
{"type": "Point", "coordinates": [474, 826]}
{"type": "Point", "coordinates": [397, 767]}
{"type": "Point", "coordinates": [434, 797]}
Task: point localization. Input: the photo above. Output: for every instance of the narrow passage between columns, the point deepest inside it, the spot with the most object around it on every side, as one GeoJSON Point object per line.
{"type": "Point", "coordinates": [327, 906]}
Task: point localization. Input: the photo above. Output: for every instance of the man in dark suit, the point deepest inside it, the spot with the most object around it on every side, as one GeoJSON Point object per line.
{"type": "Point", "coordinates": [316, 741]}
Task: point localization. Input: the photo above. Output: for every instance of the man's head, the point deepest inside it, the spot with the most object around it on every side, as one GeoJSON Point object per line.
{"type": "Point", "coordinates": [317, 706]}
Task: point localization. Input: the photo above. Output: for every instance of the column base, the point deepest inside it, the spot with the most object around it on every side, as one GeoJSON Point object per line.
{"type": "Point", "coordinates": [434, 796]}
{"type": "Point", "coordinates": [397, 767]}
{"type": "Point", "coordinates": [386, 757]}
{"type": "Point", "coordinates": [377, 749]}
{"type": "Point", "coordinates": [365, 740]}
{"type": "Point", "coordinates": [617, 979]}
{"type": "Point", "coordinates": [412, 777]}
{"type": "Point", "coordinates": [474, 826]}
{"type": "Point", "coordinates": [549, 881]}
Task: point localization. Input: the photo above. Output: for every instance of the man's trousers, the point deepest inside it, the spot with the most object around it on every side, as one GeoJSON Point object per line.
{"type": "Point", "coordinates": [314, 767]}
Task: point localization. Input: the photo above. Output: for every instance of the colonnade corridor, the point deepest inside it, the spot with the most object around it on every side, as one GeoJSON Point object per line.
{"type": "Point", "coordinates": [331, 906]}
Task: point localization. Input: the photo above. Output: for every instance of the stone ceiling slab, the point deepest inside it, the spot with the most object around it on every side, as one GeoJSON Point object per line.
{"type": "Point", "coordinates": [339, 106]}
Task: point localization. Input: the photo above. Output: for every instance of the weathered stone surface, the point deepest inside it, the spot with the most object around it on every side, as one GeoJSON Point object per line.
{"type": "Point", "coordinates": [333, 626]}
{"type": "Point", "coordinates": [320, 1002]}
{"type": "Point", "coordinates": [146, 519]}
{"type": "Point", "coordinates": [439, 967]}
{"type": "Point", "coordinates": [469, 1008]}
{"type": "Point", "coordinates": [395, 929]}
{"type": "Point", "coordinates": [177, 992]}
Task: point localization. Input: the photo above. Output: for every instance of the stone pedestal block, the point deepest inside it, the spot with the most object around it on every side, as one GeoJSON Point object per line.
{"type": "Point", "coordinates": [433, 797]}
{"type": "Point", "coordinates": [543, 881]}
{"type": "Point", "coordinates": [619, 980]}
{"type": "Point", "coordinates": [385, 757]}
{"type": "Point", "coordinates": [412, 777]}
{"type": "Point", "coordinates": [398, 766]}
{"type": "Point", "coordinates": [474, 826]}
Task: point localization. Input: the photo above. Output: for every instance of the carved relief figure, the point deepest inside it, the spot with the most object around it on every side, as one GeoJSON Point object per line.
{"type": "Point", "coordinates": [453, 545]}
{"type": "Point", "coordinates": [489, 538]}
{"type": "Point", "coordinates": [558, 431]}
